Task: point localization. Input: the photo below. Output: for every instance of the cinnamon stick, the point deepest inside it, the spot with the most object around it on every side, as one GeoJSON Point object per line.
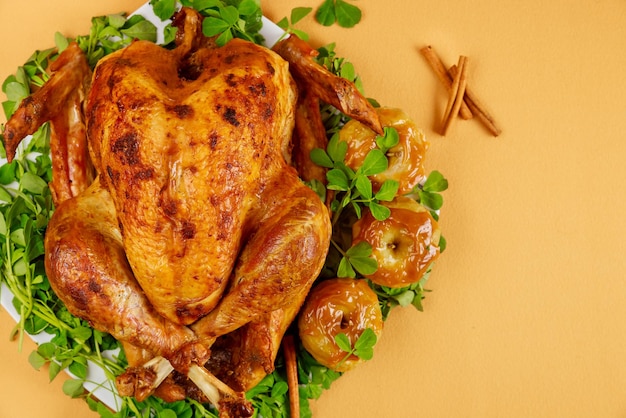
{"type": "Point", "coordinates": [442, 73]}
{"type": "Point", "coordinates": [456, 95]}
{"type": "Point", "coordinates": [291, 366]}
{"type": "Point", "coordinates": [477, 107]}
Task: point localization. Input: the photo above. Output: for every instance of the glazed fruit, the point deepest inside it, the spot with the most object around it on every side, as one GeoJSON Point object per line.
{"type": "Point", "coordinates": [405, 159]}
{"type": "Point", "coordinates": [404, 245]}
{"type": "Point", "coordinates": [337, 306]}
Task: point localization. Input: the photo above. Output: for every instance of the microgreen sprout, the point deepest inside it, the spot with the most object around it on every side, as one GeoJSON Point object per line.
{"type": "Point", "coordinates": [363, 347]}
{"type": "Point", "coordinates": [356, 258]}
{"type": "Point", "coordinates": [344, 14]}
{"type": "Point", "coordinates": [429, 192]}
{"type": "Point", "coordinates": [288, 25]}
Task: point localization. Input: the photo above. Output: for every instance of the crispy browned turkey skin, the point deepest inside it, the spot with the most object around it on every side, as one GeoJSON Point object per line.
{"type": "Point", "coordinates": [191, 151]}
{"type": "Point", "coordinates": [197, 242]}
{"type": "Point", "coordinates": [190, 147]}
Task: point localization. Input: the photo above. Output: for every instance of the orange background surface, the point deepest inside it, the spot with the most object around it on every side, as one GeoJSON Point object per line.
{"type": "Point", "coordinates": [527, 314]}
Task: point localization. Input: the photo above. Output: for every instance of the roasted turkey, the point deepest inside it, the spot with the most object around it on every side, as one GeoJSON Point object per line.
{"type": "Point", "coordinates": [197, 242]}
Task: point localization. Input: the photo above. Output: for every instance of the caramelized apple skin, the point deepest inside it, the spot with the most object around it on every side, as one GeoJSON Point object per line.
{"type": "Point", "coordinates": [406, 159]}
{"type": "Point", "coordinates": [337, 306]}
{"type": "Point", "coordinates": [404, 245]}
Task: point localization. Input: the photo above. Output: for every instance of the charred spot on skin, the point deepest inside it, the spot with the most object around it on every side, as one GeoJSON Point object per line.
{"type": "Point", "coordinates": [28, 100]}
{"type": "Point", "coordinates": [94, 286]}
{"type": "Point", "coordinates": [268, 111]}
{"type": "Point", "coordinates": [258, 89]}
{"type": "Point", "coordinates": [230, 80]}
{"type": "Point", "coordinates": [120, 106]}
{"type": "Point", "coordinates": [127, 149]}
{"type": "Point", "coordinates": [224, 223]}
{"type": "Point", "coordinates": [181, 111]}
{"type": "Point", "coordinates": [93, 115]}
{"type": "Point", "coordinates": [267, 162]}
{"type": "Point", "coordinates": [79, 297]}
{"type": "Point", "coordinates": [230, 116]}
{"type": "Point", "coordinates": [114, 79]}
{"type": "Point", "coordinates": [170, 207]}
{"type": "Point", "coordinates": [144, 174]}
{"type": "Point", "coordinates": [213, 139]}
{"type": "Point", "coordinates": [188, 230]}
{"type": "Point", "coordinates": [124, 62]}
{"type": "Point", "coordinates": [111, 83]}
{"type": "Point", "coordinates": [128, 104]}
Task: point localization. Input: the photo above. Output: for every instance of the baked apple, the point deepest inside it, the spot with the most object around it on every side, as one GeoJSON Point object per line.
{"type": "Point", "coordinates": [336, 306]}
{"type": "Point", "coordinates": [405, 159]}
{"type": "Point", "coordinates": [404, 245]}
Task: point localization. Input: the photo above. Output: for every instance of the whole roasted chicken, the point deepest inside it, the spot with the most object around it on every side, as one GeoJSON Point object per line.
{"type": "Point", "coordinates": [185, 231]}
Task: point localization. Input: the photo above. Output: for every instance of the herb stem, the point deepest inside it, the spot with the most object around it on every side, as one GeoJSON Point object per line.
{"type": "Point", "coordinates": [336, 216]}
{"type": "Point", "coordinates": [338, 247]}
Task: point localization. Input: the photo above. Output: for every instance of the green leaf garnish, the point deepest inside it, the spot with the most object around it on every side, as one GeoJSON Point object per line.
{"type": "Point", "coordinates": [325, 13]}
{"type": "Point", "coordinates": [429, 193]}
{"type": "Point", "coordinates": [73, 388]}
{"type": "Point", "coordinates": [375, 162]}
{"type": "Point", "coordinates": [363, 186]}
{"type": "Point", "coordinates": [288, 24]}
{"type": "Point", "coordinates": [379, 212]}
{"type": "Point", "coordinates": [299, 13]}
{"type": "Point", "coordinates": [338, 180]}
{"type": "Point", "coordinates": [347, 14]}
{"type": "Point", "coordinates": [357, 259]}
{"type": "Point", "coordinates": [344, 14]}
{"type": "Point", "coordinates": [435, 182]}
{"type": "Point", "coordinates": [363, 347]}
{"type": "Point", "coordinates": [388, 140]}
{"type": "Point", "coordinates": [321, 158]}
{"type": "Point", "coordinates": [388, 190]}
{"type": "Point", "coordinates": [163, 9]}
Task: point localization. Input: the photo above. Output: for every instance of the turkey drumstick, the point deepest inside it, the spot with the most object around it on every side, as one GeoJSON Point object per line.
{"type": "Point", "coordinates": [87, 268]}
